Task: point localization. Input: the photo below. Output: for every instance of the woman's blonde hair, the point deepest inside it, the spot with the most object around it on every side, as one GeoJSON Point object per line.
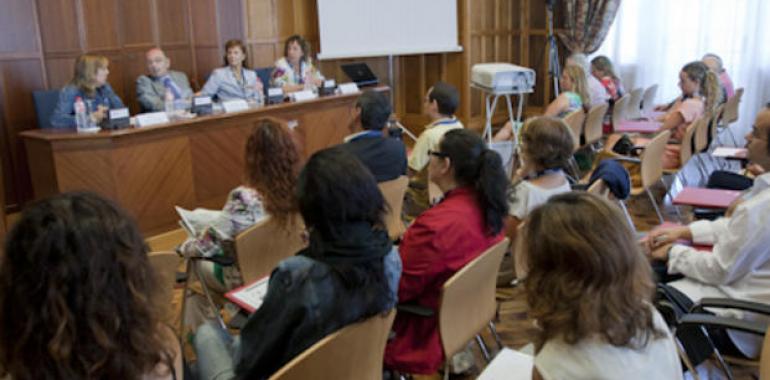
{"type": "Point", "coordinates": [585, 274]}
{"type": "Point", "coordinates": [708, 83]}
{"type": "Point", "coordinates": [86, 68]}
{"type": "Point", "coordinates": [579, 82]}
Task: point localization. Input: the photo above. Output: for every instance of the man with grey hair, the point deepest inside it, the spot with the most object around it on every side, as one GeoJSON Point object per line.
{"type": "Point", "coordinates": [714, 63]}
{"type": "Point", "coordinates": [596, 91]}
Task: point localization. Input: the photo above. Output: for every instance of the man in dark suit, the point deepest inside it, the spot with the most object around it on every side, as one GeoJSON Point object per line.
{"type": "Point", "coordinates": [151, 89]}
{"type": "Point", "coordinates": [384, 155]}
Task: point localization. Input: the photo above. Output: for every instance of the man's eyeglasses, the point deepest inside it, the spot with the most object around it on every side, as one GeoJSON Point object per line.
{"type": "Point", "coordinates": [437, 154]}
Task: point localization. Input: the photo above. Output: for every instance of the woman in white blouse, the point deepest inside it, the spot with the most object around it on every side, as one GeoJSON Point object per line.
{"type": "Point", "coordinates": [590, 290]}
{"type": "Point", "coordinates": [295, 69]}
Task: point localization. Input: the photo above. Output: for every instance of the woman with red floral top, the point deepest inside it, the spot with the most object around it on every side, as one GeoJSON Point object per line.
{"type": "Point", "coordinates": [445, 238]}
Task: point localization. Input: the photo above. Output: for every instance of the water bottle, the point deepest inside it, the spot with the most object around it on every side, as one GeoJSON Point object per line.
{"type": "Point", "coordinates": [81, 115]}
{"type": "Point", "coordinates": [259, 98]}
{"type": "Point", "coordinates": [169, 102]}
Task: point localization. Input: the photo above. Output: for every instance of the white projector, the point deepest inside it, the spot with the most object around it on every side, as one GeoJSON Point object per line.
{"type": "Point", "coordinates": [503, 77]}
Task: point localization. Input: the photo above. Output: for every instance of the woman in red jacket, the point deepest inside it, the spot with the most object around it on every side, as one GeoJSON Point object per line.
{"type": "Point", "coordinates": [443, 239]}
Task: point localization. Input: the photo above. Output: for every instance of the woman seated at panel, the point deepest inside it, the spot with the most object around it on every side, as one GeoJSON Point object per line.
{"type": "Point", "coordinates": [700, 96]}
{"type": "Point", "coordinates": [271, 167]}
{"type": "Point", "coordinates": [573, 97]}
{"type": "Point", "coordinates": [590, 291]}
{"type": "Point", "coordinates": [89, 84]}
{"type": "Point", "coordinates": [443, 239]}
{"type": "Point", "coordinates": [348, 272]}
{"type": "Point", "coordinates": [235, 80]}
{"type": "Point", "coordinates": [294, 71]}
{"type": "Point", "coordinates": [80, 296]}
{"type": "Point", "coordinates": [545, 146]}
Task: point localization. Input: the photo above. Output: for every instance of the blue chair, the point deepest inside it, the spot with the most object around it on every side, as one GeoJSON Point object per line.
{"type": "Point", "coordinates": [45, 102]}
{"type": "Point", "coordinates": [264, 74]}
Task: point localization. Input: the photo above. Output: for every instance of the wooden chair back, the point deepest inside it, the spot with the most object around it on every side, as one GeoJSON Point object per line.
{"type": "Point", "coordinates": [599, 187]}
{"type": "Point", "coordinates": [652, 159]}
{"type": "Point", "coordinates": [468, 299]}
{"type": "Point", "coordinates": [393, 191]}
{"type": "Point", "coordinates": [714, 122]}
{"type": "Point", "coordinates": [166, 264]}
{"type": "Point", "coordinates": [648, 99]}
{"type": "Point", "coordinates": [262, 246]}
{"type": "Point", "coordinates": [434, 193]}
{"type": "Point", "coordinates": [619, 109]}
{"type": "Point", "coordinates": [701, 135]}
{"type": "Point", "coordinates": [686, 145]}
{"type": "Point", "coordinates": [575, 123]}
{"type": "Point", "coordinates": [764, 358]}
{"type": "Point", "coordinates": [730, 114]}
{"type": "Point", "coordinates": [167, 241]}
{"type": "Point", "coordinates": [592, 131]}
{"type": "Point", "coordinates": [354, 352]}
{"type": "Point", "coordinates": [634, 106]}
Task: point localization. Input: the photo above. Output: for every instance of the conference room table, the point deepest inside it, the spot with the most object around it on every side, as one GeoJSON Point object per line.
{"type": "Point", "coordinates": [188, 163]}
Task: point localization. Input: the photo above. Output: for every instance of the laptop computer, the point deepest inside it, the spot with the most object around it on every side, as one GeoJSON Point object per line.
{"type": "Point", "coordinates": [360, 73]}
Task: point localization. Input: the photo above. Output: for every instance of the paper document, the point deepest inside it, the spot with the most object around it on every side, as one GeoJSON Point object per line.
{"type": "Point", "coordinates": [731, 152]}
{"type": "Point", "coordinates": [509, 365]}
{"type": "Point", "coordinates": [250, 297]}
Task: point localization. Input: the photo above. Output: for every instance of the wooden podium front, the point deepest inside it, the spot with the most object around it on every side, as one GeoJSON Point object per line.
{"type": "Point", "coordinates": [190, 163]}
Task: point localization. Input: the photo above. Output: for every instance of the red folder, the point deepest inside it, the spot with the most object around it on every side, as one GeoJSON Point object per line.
{"type": "Point", "coordinates": [638, 126]}
{"type": "Point", "coordinates": [708, 198]}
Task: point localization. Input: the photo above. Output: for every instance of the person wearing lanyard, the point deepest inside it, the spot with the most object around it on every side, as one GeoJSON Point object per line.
{"type": "Point", "coordinates": [545, 146]}
{"type": "Point", "coordinates": [295, 69]}
{"type": "Point", "coordinates": [384, 156]}
{"type": "Point", "coordinates": [236, 80]}
{"type": "Point", "coordinates": [439, 105]}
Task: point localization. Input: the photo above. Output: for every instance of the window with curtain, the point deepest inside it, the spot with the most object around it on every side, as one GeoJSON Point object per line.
{"type": "Point", "coordinates": [650, 41]}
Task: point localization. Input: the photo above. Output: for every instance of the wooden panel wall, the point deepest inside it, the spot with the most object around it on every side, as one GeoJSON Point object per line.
{"type": "Point", "coordinates": [41, 39]}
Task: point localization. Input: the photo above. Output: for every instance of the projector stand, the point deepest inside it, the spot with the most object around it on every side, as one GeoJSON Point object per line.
{"type": "Point", "coordinates": [491, 97]}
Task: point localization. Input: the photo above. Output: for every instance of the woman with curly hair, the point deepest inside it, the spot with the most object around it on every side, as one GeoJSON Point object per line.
{"type": "Point", "coordinates": [590, 290]}
{"type": "Point", "coordinates": [271, 169]}
{"type": "Point", "coordinates": [79, 297]}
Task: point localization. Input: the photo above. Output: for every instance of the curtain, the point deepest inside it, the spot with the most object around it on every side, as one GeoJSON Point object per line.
{"type": "Point", "coordinates": [587, 23]}
{"type": "Point", "coordinates": [651, 40]}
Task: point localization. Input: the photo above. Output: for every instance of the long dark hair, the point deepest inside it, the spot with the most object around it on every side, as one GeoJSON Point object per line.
{"type": "Point", "coordinates": [78, 294]}
{"type": "Point", "coordinates": [340, 203]}
{"type": "Point", "coordinates": [476, 165]}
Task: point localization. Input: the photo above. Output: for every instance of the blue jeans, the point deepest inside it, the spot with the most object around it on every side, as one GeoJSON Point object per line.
{"type": "Point", "coordinates": [217, 352]}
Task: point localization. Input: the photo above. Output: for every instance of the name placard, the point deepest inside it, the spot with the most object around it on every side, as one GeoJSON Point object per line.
{"type": "Point", "coordinates": [151, 118]}
{"type": "Point", "coordinates": [330, 83]}
{"type": "Point", "coordinates": [119, 113]}
{"type": "Point", "coordinates": [301, 96]}
{"type": "Point", "coordinates": [348, 88]}
{"type": "Point", "coordinates": [274, 91]}
{"type": "Point", "coordinates": [235, 105]}
{"type": "Point", "coordinates": [201, 100]}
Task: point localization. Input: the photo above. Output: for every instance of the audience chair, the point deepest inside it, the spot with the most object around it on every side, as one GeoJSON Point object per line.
{"type": "Point", "coordinates": [393, 191]}
{"type": "Point", "coordinates": [648, 100]}
{"type": "Point", "coordinates": [698, 317]}
{"type": "Point", "coordinates": [45, 102]}
{"type": "Point", "coordinates": [261, 247]}
{"type": "Point", "coordinates": [575, 122]}
{"type": "Point", "coordinates": [167, 241]}
{"type": "Point", "coordinates": [651, 168]}
{"type": "Point", "coordinates": [265, 74]}
{"type": "Point", "coordinates": [634, 105]}
{"type": "Point", "coordinates": [354, 352]}
{"type": "Point", "coordinates": [685, 149]}
{"type": "Point", "coordinates": [700, 143]}
{"type": "Point", "coordinates": [619, 110]}
{"type": "Point", "coordinates": [592, 131]}
{"type": "Point", "coordinates": [165, 264]}
{"type": "Point", "coordinates": [468, 303]}
{"type": "Point", "coordinates": [730, 114]}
